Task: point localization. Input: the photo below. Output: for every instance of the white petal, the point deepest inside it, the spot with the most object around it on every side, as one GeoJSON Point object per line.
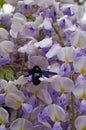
{"type": "Point", "coordinates": [46, 24]}
{"type": "Point", "coordinates": [53, 51]}
{"type": "Point", "coordinates": [3, 33]}
{"type": "Point", "coordinates": [47, 42]}
{"type": "Point", "coordinates": [66, 54]}
{"type": "Point", "coordinates": [80, 64]}
{"type": "Point", "coordinates": [54, 67]}
{"type": "Point", "coordinates": [13, 33]}
{"type": "Point", "coordinates": [40, 61]}
{"type": "Point", "coordinates": [80, 122]}
{"type": "Point", "coordinates": [22, 80]}
{"type": "Point", "coordinates": [56, 112]}
{"type": "Point", "coordinates": [14, 100]}
{"type": "Point", "coordinates": [28, 1]}
{"type": "Point", "coordinates": [21, 123]}
{"type": "Point", "coordinates": [3, 115]}
{"type": "Point", "coordinates": [45, 97]}
{"type": "Point", "coordinates": [7, 46]}
{"type": "Point", "coordinates": [62, 84]}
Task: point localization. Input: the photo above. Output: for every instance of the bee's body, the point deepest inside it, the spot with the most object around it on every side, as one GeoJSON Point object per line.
{"type": "Point", "coordinates": [36, 73]}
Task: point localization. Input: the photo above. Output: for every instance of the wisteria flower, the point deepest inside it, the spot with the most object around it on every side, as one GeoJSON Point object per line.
{"type": "Point", "coordinates": [80, 65]}
{"type": "Point", "coordinates": [3, 34]}
{"type": "Point", "coordinates": [21, 124]}
{"type": "Point", "coordinates": [62, 84]}
{"type": "Point", "coordinates": [80, 122]}
{"type": "Point", "coordinates": [18, 22]}
{"type": "Point", "coordinates": [80, 90]}
{"type": "Point", "coordinates": [66, 54]}
{"type": "Point", "coordinates": [78, 38]}
{"type": "Point", "coordinates": [56, 113]}
{"type": "Point", "coordinates": [47, 42]}
{"type": "Point", "coordinates": [6, 46]}
{"type": "Point", "coordinates": [4, 116]}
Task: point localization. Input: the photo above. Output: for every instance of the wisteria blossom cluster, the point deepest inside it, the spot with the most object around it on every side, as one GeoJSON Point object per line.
{"type": "Point", "coordinates": [49, 34]}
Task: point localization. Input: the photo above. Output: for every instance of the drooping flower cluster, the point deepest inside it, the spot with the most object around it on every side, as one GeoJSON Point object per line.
{"type": "Point", "coordinates": [50, 36]}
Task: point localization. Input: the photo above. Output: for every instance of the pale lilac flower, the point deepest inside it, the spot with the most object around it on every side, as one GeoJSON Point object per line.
{"type": "Point", "coordinates": [66, 54]}
{"type": "Point", "coordinates": [2, 127]}
{"type": "Point", "coordinates": [21, 80]}
{"type": "Point", "coordinates": [64, 22]}
{"type": "Point", "coordinates": [14, 99]}
{"type": "Point", "coordinates": [27, 108]}
{"type": "Point", "coordinates": [65, 69]}
{"type": "Point", "coordinates": [80, 90]}
{"type": "Point", "coordinates": [2, 99]}
{"type": "Point", "coordinates": [28, 2]}
{"type": "Point", "coordinates": [33, 101]}
{"type": "Point", "coordinates": [6, 46]}
{"type": "Point", "coordinates": [62, 84]}
{"type": "Point", "coordinates": [79, 65]}
{"type": "Point", "coordinates": [21, 124]}
{"type": "Point", "coordinates": [46, 24]}
{"type": "Point", "coordinates": [44, 3]}
{"type": "Point", "coordinates": [40, 61]}
{"type": "Point", "coordinates": [78, 38]}
{"type": "Point", "coordinates": [79, 79]}
{"type": "Point", "coordinates": [57, 126]}
{"type": "Point", "coordinates": [17, 25]}
{"type": "Point", "coordinates": [83, 106]}
{"type": "Point", "coordinates": [5, 59]}
{"type": "Point", "coordinates": [53, 51]}
{"type": "Point", "coordinates": [4, 116]}
{"type": "Point", "coordinates": [80, 122]}
{"type": "Point", "coordinates": [46, 42]}
{"type": "Point", "coordinates": [29, 48]}
{"type": "Point", "coordinates": [53, 93]}
{"type": "Point", "coordinates": [63, 100]}
{"type": "Point", "coordinates": [3, 34]}
{"type": "Point", "coordinates": [78, 52]}
{"type": "Point", "coordinates": [44, 96]}
{"type": "Point", "coordinates": [56, 113]}
{"type": "Point", "coordinates": [69, 9]}
{"type": "Point", "coordinates": [54, 67]}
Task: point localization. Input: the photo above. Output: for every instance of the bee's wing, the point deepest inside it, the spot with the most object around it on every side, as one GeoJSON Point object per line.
{"type": "Point", "coordinates": [47, 73]}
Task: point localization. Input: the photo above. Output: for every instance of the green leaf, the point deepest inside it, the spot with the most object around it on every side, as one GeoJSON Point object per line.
{"type": "Point", "coordinates": [2, 2]}
{"type": "Point", "coordinates": [3, 26]}
{"type": "Point", "coordinates": [1, 73]}
{"type": "Point", "coordinates": [6, 73]}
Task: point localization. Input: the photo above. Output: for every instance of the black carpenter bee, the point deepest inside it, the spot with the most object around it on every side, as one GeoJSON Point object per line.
{"type": "Point", "coordinates": [36, 73]}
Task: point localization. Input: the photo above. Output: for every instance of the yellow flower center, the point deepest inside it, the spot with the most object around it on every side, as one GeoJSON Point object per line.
{"type": "Point", "coordinates": [84, 128]}
{"type": "Point", "coordinates": [21, 128]}
{"type": "Point", "coordinates": [18, 102]}
{"type": "Point", "coordinates": [84, 94]}
{"type": "Point", "coordinates": [83, 70]}
{"type": "Point", "coordinates": [79, 43]}
{"type": "Point", "coordinates": [36, 92]}
{"type": "Point", "coordinates": [1, 120]}
{"type": "Point", "coordinates": [56, 118]}
{"type": "Point", "coordinates": [6, 50]}
{"type": "Point", "coordinates": [66, 58]}
{"type": "Point", "coordinates": [62, 89]}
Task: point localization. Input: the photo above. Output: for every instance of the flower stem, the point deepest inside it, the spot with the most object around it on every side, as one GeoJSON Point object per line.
{"type": "Point", "coordinates": [73, 111]}
{"type": "Point", "coordinates": [59, 36]}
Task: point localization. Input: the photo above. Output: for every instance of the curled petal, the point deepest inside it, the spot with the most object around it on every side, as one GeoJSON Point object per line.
{"type": "Point", "coordinates": [56, 113]}
{"type": "Point", "coordinates": [4, 116]}
{"type": "Point", "coordinates": [80, 123]}
{"type": "Point", "coordinates": [21, 124]}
